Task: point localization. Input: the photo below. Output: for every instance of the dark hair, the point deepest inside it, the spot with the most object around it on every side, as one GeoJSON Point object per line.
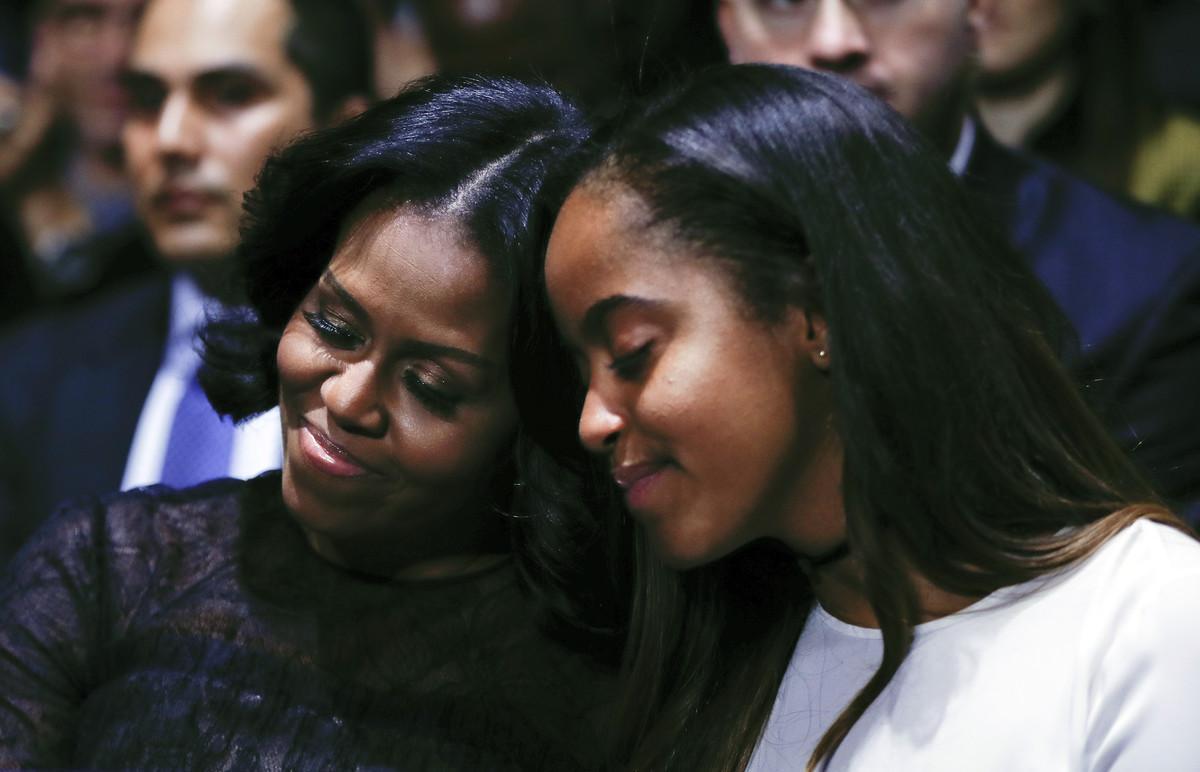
{"type": "Point", "coordinates": [967, 448]}
{"type": "Point", "coordinates": [332, 44]}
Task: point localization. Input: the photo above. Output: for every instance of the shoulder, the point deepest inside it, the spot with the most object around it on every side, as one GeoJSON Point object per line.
{"type": "Point", "coordinates": [1048, 202]}
{"type": "Point", "coordinates": [122, 541]}
{"type": "Point", "coordinates": [1144, 556]}
{"type": "Point", "coordinates": [1143, 601]}
{"type": "Point", "coordinates": [1117, 268]}
{"type": "Point", "coordinates": [119, 334]}
{"type": "Point", "coordinates": [138, 309]}
{"type": "Point", "coordinates": [1142, 689]}
{"type": "Point", "coordinates": [131, 297]}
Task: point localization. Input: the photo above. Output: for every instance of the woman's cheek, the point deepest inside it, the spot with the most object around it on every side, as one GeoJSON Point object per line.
{"type": "Point", "coordinates": [444, 452]}
{"type": "Point", "coordinates": [292, 355]}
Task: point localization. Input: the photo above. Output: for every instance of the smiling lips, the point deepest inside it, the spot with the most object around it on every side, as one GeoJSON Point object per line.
{"type": "Point", "coordinates": [637, 480]}
{"type": "Point", "coordinates": [327, 456]}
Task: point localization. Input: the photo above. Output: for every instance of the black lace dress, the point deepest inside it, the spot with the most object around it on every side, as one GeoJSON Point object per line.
{"type": "Point", "coordinates": [197, 630]}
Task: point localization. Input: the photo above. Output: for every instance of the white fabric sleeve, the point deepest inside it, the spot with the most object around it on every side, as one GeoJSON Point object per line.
{"type": "Point", "coordinates": [1144, 704]}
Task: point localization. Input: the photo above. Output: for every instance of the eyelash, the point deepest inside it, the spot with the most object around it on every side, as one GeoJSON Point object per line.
{"type": "Point", "coordinates": [437, 400]}
{"type": "Point", "coordinates": [337, 335]}
{"type": "Point", "coordinates": [629, 366]}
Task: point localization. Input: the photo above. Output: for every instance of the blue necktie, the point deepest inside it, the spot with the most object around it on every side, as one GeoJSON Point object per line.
{"type": "Point", "coordinates": [200, 442]}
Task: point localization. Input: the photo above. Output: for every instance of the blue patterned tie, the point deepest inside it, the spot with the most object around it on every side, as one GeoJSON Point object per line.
{"type": "Point", "coordinates": [200, 442]}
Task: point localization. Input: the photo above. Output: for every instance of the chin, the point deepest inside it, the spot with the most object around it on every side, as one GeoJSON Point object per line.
{"type": "Point", "coordinates": [687, 550]}
{"type": "Point", "coordinates": [191, 247]}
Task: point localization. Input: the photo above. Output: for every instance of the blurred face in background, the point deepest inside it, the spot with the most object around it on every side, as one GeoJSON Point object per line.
{"type": "Point", "coordinates": [914, 54]}
{"type": "Point", "coordinates": [79, 49]}
{"type": "Point", "coordinates": [1020, 37]}
{"type": "Point", "coordinates": [212, 92]}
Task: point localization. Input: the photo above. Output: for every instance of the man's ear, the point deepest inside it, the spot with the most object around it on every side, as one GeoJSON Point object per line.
{"type": "Point", "coordinates": [977, 13]}
{"type": "Point", "coordinates": [349, 107]}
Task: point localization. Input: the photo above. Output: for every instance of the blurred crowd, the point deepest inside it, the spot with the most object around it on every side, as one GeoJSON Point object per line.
{"type": "Point", "coordinates": [67, 224]}
{"type": "Point", "coordinates": [1107, 88]}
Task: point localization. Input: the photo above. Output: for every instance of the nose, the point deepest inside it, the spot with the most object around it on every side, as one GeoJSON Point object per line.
{"type": "Point", "coordinates": [599, 424]}
{"type": "Point", "coordinates": [351, 398]}
{"type": "Point", "coordinates": [177, 132]}
{"type": "Point", "coordinates": [837, 40]}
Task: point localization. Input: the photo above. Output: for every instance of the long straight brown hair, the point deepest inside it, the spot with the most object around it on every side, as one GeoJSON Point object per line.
{"type": "Point", "coordinates": [970, 455]}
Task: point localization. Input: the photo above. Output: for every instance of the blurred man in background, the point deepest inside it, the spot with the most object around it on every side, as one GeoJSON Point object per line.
{"type": "Point", "coordinates": [62, 180]}
{"type": "Point", "coordinates": [105, 396]}
{"type": "Point", "coordinates": [1128, 278]}
{"type": "Point", "coordinates": [1053, 77]}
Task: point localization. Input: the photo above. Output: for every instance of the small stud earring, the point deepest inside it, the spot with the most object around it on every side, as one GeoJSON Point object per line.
{"type": "Point", "coordinates": [821, 354]}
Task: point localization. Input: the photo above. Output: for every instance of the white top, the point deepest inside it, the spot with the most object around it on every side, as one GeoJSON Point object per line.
{"type": "Point", "coordinates": [1096, 668]}
{"type": "Point", "coordinates": [257, 443]}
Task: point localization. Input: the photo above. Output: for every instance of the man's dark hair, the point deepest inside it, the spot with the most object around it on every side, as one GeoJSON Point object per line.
{"type": "Point", "coordinates": [332, 45]}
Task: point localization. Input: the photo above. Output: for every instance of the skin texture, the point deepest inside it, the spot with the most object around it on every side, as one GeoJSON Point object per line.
{"type": "Point", "coordinates": [418, 429]}
{"type": "Point", "coordinates": [914, 54]}
{"type": "Point", "coordinates": [718, 426]}
{"type": "Point", "coordinates": [212, 93]}
{"type": "Point", "coordinates": [80, 47]}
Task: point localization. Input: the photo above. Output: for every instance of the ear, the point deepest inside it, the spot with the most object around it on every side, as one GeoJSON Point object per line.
{"type": "Point", "coordinates": [349, 107]}
{"type": "Point", "coordinates": [810, 332]}
{"type": "Point", "coordinates": [977, 13]}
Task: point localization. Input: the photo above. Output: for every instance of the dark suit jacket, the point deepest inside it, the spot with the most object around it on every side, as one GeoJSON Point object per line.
{"type": "Point", "coordinates": [73, 388]}
{"type": "Point", "coordinates": [1128, 278]}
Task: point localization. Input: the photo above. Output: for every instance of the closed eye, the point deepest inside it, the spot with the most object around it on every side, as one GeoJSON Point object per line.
{"type": "Point", "coordinates": [630, 366]}
{"type": "Point", "coordinates": [335, 333]}
{"type": "Point", "coordinates": [435, 397]}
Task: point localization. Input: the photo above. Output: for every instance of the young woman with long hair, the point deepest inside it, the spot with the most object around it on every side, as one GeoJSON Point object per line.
{"type": "Point", "coordinates": [876, 525]}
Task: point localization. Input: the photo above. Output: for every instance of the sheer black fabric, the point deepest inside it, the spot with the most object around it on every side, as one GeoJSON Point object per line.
{"type": "Point", "coordinates": [197, 630]}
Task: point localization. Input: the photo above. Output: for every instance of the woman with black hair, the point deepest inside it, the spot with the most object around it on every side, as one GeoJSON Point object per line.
{"type": "Point", "coordinates": [877, 527]}
{"type": "Point", "coordinates": [367, 607]}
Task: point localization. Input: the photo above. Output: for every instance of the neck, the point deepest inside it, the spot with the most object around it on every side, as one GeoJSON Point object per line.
{"type": "Point", "coordinates": [840, 588]}
{"type": "Point", "coordinates": [413, 551]}
{"type": "Point", "coordinates": [1015, 114]}
{"type": "Point", "coordinates": [403, 568]}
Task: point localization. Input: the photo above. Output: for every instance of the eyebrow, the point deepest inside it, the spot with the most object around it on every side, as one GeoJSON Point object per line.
{"type": "Point", "coordinates": [215, 75]}
{"type": "Point", "coordinates": [422, 348]}
{"type": "Point", "coordinates": [596, 317]}
{"type": "Point", "coordinates": [206, 79]}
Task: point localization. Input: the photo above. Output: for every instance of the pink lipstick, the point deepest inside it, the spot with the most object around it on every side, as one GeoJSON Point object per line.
{"type": "Point", "coordinates": [327, 456]}
{"type": "Point", "coordinates": [638, 480]}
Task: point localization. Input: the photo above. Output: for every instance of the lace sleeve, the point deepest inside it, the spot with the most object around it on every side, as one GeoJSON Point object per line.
{"type": "Point", "coordinates": [49, 620]}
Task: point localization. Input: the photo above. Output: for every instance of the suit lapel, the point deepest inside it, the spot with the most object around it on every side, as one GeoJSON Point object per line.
{"type": "Point", "coordinates": [101, 395]}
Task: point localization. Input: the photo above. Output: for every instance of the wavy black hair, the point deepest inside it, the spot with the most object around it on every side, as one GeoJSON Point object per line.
{"type": "Point", "coordinates": [969, 454]}
{"type": "Point", "coordinates": [490, 156]}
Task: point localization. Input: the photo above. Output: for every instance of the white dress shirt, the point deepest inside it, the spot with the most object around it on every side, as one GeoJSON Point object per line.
{"type": "Point", "coordinates": [257, 443]}
{"type": "Point", "coordinates": [962, 151]}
